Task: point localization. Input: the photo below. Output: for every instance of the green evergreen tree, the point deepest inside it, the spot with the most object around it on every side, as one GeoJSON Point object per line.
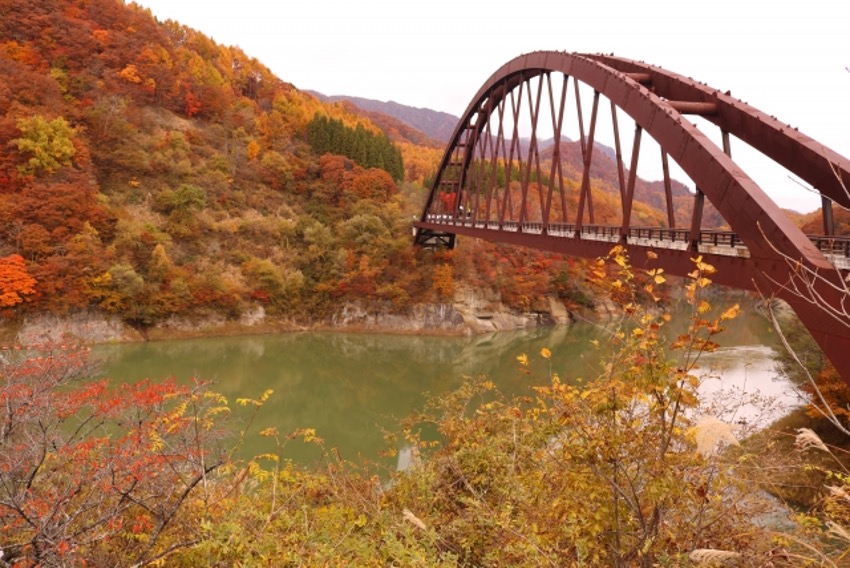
{"type": "Point", "coordinates": [358, 144]}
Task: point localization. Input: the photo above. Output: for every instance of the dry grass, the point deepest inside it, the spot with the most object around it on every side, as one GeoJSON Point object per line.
{"type": "Point", "coordinates": [794, 474]}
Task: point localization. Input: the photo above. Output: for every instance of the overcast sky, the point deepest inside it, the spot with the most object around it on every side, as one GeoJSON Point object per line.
{"type": "Point", "coordinates": [787, 58]}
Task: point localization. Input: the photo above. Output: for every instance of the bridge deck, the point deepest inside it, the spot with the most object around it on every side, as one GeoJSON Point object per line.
{"type": "Point", "coordinates": [836, 249]}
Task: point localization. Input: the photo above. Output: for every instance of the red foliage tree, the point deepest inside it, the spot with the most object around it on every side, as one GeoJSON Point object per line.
{"type": "Point", "coordinates": [373, 183]}
{"type": "Point", "coordinates": [88, 472]}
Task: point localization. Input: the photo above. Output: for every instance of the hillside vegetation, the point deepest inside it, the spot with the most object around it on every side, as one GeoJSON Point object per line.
{"type": "Point", "coordinates": [628, 469]}
{"type": "Point", "coordinates": [152, 172]}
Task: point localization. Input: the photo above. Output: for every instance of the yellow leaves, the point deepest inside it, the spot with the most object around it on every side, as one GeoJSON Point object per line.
{"type": "Point", "coordinates": [215, 397]}
{"type": "Point", "coordinates": [523, 359]}
{"type": "Point", "coordinates": [621, 260]}
{"type": "Point", "coordinates": [807, 521]}
{"type": "Point", "coordinates": [257, 403]}
{"type": "Point", "coordinates": [618, 255]}
{"type": "Point", "coordinates": [703, 267]}
{"type": "Point", "coordinates": [656, 276]}
{"type": "Point", "coordinates": [688, 399]}
{"type": "Point", "coordinates": [48, 143]}
{"type": "Point", "coordinates": [257, 472]}
{"type": "Point", "coordinates": [545, 353]}
{"type": "Point", "coordinates": [307, 435]}
{"type": "Point", "coordinates": [217, 410]}
{"type": "Point", "coordinates": [651, 255]}
{"type": "Point", "coordinates": [270, 432]}
{"type": "Point", "coordinates": [650, 289]}
{"type": "Point", "coordinates": [178, 412]}
{"type": "Point", "coordinates": [730, 313]}
{"type": "Point", "coordinates": [157, 443]}
{"type": "Point", "coordinates": [703, 307]}
{"type": "Point", "coordinates": [699, 281]}
{"type": "Point", "coordinates": [268, 457]}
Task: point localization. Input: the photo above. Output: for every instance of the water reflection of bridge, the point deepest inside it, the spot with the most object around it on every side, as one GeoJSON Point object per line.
{"type": "Point", "coordinates": [506, 177]}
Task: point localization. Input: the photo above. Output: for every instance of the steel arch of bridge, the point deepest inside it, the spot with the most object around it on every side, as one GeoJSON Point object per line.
{"type": "Point", "coordinates": [495, 185]}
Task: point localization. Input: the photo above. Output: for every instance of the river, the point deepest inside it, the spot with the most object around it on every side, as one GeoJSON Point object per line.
{"type": "Point", "coordinates": [352, 387]}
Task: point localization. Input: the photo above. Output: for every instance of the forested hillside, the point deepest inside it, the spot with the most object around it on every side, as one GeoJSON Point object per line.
{"type": "Point", "coordinates": [149, 171]}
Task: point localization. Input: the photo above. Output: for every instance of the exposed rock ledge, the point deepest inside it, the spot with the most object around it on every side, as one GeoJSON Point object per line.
{"type": "Point", "coordinates": [90, 327]}
{"type": "Point", "coordinates": [471, 313]}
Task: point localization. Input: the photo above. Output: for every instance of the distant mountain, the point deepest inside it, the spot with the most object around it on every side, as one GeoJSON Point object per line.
{"type": "Point", "coordinates": [435, 124]}
{"type": "Point", "coordinates": [395, 129]}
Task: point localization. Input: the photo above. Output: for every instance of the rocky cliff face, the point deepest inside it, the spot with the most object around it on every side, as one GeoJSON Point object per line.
{"type": "Point", "coordinates": [90, 327]}
{"type": "Point", "coordinates": [472, 312]}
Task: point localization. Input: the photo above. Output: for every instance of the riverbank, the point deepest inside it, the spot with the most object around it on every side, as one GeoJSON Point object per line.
{"type": "Point", "coordinates": [471, 313]}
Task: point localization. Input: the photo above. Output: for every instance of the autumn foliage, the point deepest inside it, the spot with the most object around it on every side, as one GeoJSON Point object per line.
{"type": "Point", "coordinates": [94, 474]}
{"type": "Point", "coordinates": [15, 282]}
{"type": "Point", "coordinates": [152, 172]}
{"type": "Point", "coordinates": [622, 469]}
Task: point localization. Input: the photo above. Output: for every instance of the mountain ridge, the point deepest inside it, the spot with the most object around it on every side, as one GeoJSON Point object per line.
{"type": "Point", "coordinates": [435, 124]}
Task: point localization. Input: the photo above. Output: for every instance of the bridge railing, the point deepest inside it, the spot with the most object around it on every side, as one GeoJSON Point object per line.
{"type": "Point", "coordinates": [836, 246]}
{"type": "Point", "coordinates": [720, 239]}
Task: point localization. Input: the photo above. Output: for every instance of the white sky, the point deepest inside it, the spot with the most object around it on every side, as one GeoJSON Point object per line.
{"type": "Point", "coordinates": [785, 57]}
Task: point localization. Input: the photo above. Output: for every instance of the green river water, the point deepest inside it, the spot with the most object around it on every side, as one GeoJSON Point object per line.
{"type": "Point", "coordinates": [351, 387]}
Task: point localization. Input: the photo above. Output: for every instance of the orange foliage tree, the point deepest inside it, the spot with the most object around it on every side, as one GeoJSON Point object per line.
{"type": "Point", "coordinates": [443, 282]}
{"type": "Point", "coordinates": [373, 183]}
{"type": "Point", "coordinates": [15, 281]}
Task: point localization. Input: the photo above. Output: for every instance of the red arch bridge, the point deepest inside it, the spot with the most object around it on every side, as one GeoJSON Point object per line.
{"type": "Point", "coordinates": [524, 163]}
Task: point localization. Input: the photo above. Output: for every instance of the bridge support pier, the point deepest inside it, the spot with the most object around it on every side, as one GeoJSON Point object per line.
{"type": "Point", "coordinates": [431, 239]}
